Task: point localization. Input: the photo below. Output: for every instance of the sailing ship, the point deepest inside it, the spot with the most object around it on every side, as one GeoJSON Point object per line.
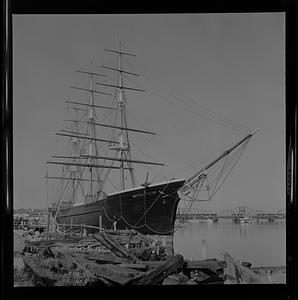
{"type": "Point", "coordinates": [149, 208]}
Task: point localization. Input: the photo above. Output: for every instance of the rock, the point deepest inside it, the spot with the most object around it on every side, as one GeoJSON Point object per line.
{"type": "Point", "coordinates": [175, 279]}
{"type": "Point", "coordinates": [191, 282]}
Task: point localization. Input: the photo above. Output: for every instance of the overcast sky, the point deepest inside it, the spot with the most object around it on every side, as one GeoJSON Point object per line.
{"type": "Point", "coordinates": [232, 64]}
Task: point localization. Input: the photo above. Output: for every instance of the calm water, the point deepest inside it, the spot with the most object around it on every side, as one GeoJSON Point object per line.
{"type": "Point", "coordinates": [260, 244]}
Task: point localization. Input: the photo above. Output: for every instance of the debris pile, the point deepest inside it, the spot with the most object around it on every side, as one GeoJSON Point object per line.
{"type": "Point", "coordinates": [121, 257]}
{"type": "Point", "coordinates": [105, 258]}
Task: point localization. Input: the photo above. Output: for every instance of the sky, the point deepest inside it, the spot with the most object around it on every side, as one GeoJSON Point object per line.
{"type": "Point", "coordinates": [231, 64]}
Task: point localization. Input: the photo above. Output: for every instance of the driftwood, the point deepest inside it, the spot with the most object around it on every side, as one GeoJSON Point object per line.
{"type": "Point", "coordinates": [157, 274]}
{"type": "Point", "coordinates": [114, 246]}
{"type": "Point", "coordinates": [40, 276]}
{"type": "Point", "coordinates": [237, 272]}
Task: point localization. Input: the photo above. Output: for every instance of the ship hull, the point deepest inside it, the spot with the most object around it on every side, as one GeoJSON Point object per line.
{"type": "Point", "coordinates": [150, 210]}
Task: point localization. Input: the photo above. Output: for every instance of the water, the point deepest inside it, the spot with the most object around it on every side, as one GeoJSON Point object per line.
{"type": "Point", "coordinates": [259, 244]}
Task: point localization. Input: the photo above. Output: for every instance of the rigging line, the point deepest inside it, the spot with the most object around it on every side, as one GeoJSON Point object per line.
{"type": "Point", "coordinates": [62, 190]}
{"type": "Point", "coordinates": [200, 109]}
{"type": "Point", "coordinates": [116, 188]}
{"type": "Point", "coordinates": [109, 170]}
{"type": "Point", "coordinates": [142, 151]}
{"type": "Point", "coordinates": [157, 174]}
{"type": "Point", "coordinates": [60, 198]}
{"type": "Point", "coordinates": [105, 211]}
{"type": "Point", "coordinates": [197, 191]}
{"type": "Point", "coordinates": [83, 192]}
{"type": "Point", "coordinates": [47, 188]}
{"type": "Point", "coordinates": [219, 122]}
{"type": "Point", "coordinates": [152, 204]}
{"type": "Point", "coordinates": [231, 168]}
{"type": "Point", "coordinates": [219, 176]}
{"type": "Point", "coordinates": [196, 163]}
{"type": "Point", "coordinates": [147, 167]}
{"type": "Point", "coordinates": [236, 124]}
{"type": "Point", "coordinates": [139, 123]}
{"type": "Point", "coordinates": [134, 226]}
{"type": "Point", "coordinates": [232, 159]}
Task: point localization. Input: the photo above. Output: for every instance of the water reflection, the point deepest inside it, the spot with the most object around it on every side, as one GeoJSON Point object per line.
{"type": "Point", "coordinates": [243, 230]}
{"type": "Point", "coordinates": [257, 243]}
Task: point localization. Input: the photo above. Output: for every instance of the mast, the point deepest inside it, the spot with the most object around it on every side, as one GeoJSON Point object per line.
{"type": "Point", "coordinates": [92, 144]}
{"type": "Point", "coordinates": [124, 146]}
{"type": "Point", "coordinates": [74, 168]}
{"type": "Point", "coordinates": [89, 157]}
{"type": "Point", "coordinates": [121, 105]}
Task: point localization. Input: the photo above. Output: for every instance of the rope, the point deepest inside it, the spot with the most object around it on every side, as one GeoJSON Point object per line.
{"type": "Point", "coordinates": [225, 121]}
{"type": "Point", "coordinates": [231, 168]}
{"type": "Point", "coordinates": [47, 187]}
{"type": "Point", "coordinates": [219, 175]}
{"type": "Point", "coordinates": [143, 216]}
{"type": "Point", "coordinates": [150, 206]}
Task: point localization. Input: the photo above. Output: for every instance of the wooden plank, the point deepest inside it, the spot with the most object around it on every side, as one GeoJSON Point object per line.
{"type": "Point", "coordinates": [153, 264]}
{"type": "Point", "coordinates": [114, 246]}
{"type": "Point", "coordinates": [143, 253]}
{"type": "Point", "coordinates": [157, 274]}
{"type": "Point", "coordinates": [57, 242]}
{"type": "Point", "coordinates": [106, 258]}
{"type": "Point", "coordinates": [140, 267]}
{"type": "Point", "coordinates": [113, 273]}
{"type": "Point", "coordinates": [144, 238]}
{"type": "Point", "coordinates": [203, 264]}
{"type": "Point", "coordinates": [118, 231]}
{"type": "Point", "coordinates": [66, 256]}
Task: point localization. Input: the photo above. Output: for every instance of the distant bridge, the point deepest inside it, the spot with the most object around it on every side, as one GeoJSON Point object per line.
{"type": "Point", "coordinates": [234, 214]}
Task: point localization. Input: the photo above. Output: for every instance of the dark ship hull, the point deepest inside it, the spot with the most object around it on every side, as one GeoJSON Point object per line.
{"type": "Point", "coordinates": [150, 210]}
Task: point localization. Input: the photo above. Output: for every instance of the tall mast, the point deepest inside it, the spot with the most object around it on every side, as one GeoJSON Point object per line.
{"type": "Point", "coordinates": [75, 152]}
{"type": "Point", "coordinates": [121, 106]}
{"type": "Point", "coordinates": [123, 146]}
{"type": "Point", "coordinates": [91, 117]}
{"type": "Point", "coordinates": [123, 137]}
